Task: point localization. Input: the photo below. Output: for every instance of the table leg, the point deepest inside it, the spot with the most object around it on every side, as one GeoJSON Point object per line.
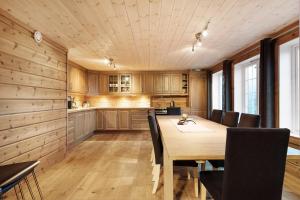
{"type": "Point", "coordinates": [168, 177]}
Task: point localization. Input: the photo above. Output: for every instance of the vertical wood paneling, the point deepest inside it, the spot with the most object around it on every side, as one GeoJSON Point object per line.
{"type": "Point", "coordinates": [32, 97]}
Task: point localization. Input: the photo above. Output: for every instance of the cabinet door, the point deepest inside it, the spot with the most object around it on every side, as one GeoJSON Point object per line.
{"type": "Point", "coordinates": [79, 126]}
{"type": "Point", "coordinates": [93, 84]}
{"type": "Point", "coordinates": [93, 121]}
{"type": "Point", "coordinates": [111, 119]}
{"type": "Point", "coordinates": [158, 83]}
{"type": "Point", "coordinates": [124, 120]}
{"type": "Point", "coordinates": [198, 94]}
{"type": "Point", "coordinates": [136, 83]}
{"type": "Point", "coordinates": [166, 78]}
{"type": "Point", "coordinates": [147, 83]}
{"type": "Point", "coordinates": [86, 123]}
{"type": "Point", "coordinates": [176, 84]}
{"type": "Point", "coordinates": [100, 119]}
{"type": "Point", "coordinates": [103, 84]}
{"type": "Point", "coordinates": [71, 129]}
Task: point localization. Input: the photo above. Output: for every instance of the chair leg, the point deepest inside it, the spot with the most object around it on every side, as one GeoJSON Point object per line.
{"type": "Point", "coordinates": [37, 185]}
{"type": "Point", "coordinates": [156, 178]}
{"type": "Point", "coordinates": [196, 180]}
{"type": "Point", "coordinates": [29, 188]}
{"type": "Point", "coordinates": [203, 192]}
{"type": "Point", "coordinates": [21, 190]}
{"type": "Point", "coordinates": [16, 193]}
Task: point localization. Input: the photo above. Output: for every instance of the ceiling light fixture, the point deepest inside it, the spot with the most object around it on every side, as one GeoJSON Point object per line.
{"type": "Point", "coordinates": [110, 63]}
{"type": "Point", "coordinates": [198, 36]}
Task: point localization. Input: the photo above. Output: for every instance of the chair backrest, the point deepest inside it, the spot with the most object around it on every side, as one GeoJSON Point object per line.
{"type": "Point", "coordinates": [230, 119]}
{"type": "Point", "coordinates": [254, 163]}
{"type": "Point", "coordinates": [156, 139]}
{"type": "Point", "coordinates": [249, 121]}
{"type": "Point", "coordinates": [216, 116]}
{"type": "Point", "coordinates": [173, 110]}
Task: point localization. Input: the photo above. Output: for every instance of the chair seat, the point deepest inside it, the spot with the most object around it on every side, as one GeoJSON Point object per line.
{"type": "Point", "coordinates": [213, 180]}
{"type": "Point", "coordinates": [12, 173]}
{"type": "Point", "coordinates": [217, 163]}
{"type": "Point", "coordinates": [188, 163]}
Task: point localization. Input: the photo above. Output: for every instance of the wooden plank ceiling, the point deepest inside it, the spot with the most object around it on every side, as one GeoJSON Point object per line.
{"type": "Point", "coordinates": [152, 34]}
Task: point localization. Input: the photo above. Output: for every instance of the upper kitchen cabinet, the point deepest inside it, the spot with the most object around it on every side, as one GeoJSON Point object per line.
{"type": "Point", "coordinates": [93, 83]}
{"type": "Point", "coordinates": [103, 83]}
{"type": "Point", "coordinates": [147, 83]}
{"type": "Point", "coordinates": [137, 83]}
{"type": "Point", "coordinates": [125, 83]}
{"type": "Point", "coordinates": [198, 93]}
{"type": "Point", "coordinates": [77, 81]}
{"type": "Point", "coordinates": [171, 84]}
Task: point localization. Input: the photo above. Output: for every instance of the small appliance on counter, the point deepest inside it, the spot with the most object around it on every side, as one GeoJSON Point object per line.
{"type": "Point", "coordinates": [70, 101]}
{"type": "Point", "coordinates": [173, 111]}
{"type": "Point", "coordinates": [86, 104]}
{"type": "Point", "coordinates": [160, 111]}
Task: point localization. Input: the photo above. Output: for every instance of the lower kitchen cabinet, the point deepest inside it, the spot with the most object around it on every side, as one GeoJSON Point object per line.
{"type": "Point", "coordinates": [80, 125]}
{"type": "Point", "coordinates": [124, 122]}
{"type": "Point", "coordinates": [122, 119]}
{"type": "Point", "coordinates": [111, 119]}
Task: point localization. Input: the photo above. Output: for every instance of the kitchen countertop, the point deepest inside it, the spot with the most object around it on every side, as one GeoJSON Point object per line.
{"type": "Point", "coordinates": [102, 108]}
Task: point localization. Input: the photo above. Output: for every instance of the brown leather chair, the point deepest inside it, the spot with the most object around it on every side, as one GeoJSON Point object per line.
{"type": "Point", "coordinates": [249, 121]}
{"type": "Point", "coordinates": [216, 116]}
{"type": "Point", "coordinates": [231, 119]}
{"type": "Point", "coordinates": [254, 166]}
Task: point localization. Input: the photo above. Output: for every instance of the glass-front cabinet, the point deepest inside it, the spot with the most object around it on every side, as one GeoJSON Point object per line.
{"type": "Point", "coordinates": [113, 83]}
{"type": "Point", "coordinates": [119, 83]}
{"type": "Point", "coordinates": [125, 83]}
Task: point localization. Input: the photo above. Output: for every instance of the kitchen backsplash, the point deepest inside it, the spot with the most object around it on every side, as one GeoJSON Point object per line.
{"type": "Point", "coordinates": [119, 101]}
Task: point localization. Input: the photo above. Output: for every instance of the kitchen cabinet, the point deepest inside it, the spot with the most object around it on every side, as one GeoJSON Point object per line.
{"type": "Point", "coordinates": [176, 84]}
{"type": "Point", "coordinates": [147, 84]}
{"type": "Point", "coordinates": [158, 83]}
{"type": "Point", "coordinates": [77, 80]}
{"type": "Point", "coordinates": [166, 79]}
{"type": "Point", "coordinates": [80, 125]}
{"type": "Point", "coordinates": [123, 118]}
{"type": "Point", "coordinates": [111, 119]}
{"type": "Point", "coordinates": [100, 120]}
{"type": "Point", "coordinates": [198, 93]}
{"type": "Point", "coordinates": [136, 83]}
{"type": "Point", "coordinates": [103, 83]}
{"type": "Point", "coordinates": [93, 84]}
{"type": "Point", "coordinates": [139, 119]}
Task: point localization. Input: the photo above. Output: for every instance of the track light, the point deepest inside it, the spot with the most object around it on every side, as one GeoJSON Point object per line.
{"type": "Point", "coordinates": [198, 36]}
{"type": "Point", "coordinates": [205, 33]}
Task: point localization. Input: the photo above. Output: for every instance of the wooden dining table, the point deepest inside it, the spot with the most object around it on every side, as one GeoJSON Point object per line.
{"type": "Point", "coordinates": [204, 140]}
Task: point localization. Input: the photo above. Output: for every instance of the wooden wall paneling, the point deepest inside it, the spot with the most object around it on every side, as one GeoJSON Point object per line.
{"type": "Point", "coordinates": [13, 106]}
{"type": "Point", "coordinates": [11, 121]}
{"type": "Point", "coordinates": [33, 92]}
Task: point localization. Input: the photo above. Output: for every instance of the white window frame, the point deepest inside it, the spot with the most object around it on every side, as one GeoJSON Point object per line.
{"type": "Point", "coordinates": [219, 75]}
{"type": "Point", "coordinates": [294, 93]}
{"type": "Point", "coordinates": [243, 65]}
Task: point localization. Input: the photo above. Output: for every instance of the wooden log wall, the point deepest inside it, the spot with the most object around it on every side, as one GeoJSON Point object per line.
{"type": "Point", "coordinates": [32, 97]}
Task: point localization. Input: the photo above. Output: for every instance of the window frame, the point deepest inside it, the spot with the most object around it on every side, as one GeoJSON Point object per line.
{"type": "Point", "coordinates": [243, 65]}
{"type": "Point", "coordinates": [220, 89]}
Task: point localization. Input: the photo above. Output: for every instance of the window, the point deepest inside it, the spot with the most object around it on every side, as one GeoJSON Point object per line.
{"type": "Point", "coordinates": [246, 86]}
{"type": "Point", "coordinates": [289, 87]}
{"type": "Point", "coordinates": [217, 79]}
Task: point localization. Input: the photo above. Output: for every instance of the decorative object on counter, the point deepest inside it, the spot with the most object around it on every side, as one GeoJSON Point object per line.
{"type": "Point", "coordinates": [184, 120]}
{"type": "Point", "coordinates": [86, 104]}
{"type": "Point", "coordinates": [172, 103]}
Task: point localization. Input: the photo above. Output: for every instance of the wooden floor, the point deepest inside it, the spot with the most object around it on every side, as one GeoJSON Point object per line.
{"type": "Point", "coordinates": [116, 166]}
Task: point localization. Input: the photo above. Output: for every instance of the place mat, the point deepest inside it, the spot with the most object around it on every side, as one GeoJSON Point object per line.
{"type": "Point", "coordinates": [191, 127]}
